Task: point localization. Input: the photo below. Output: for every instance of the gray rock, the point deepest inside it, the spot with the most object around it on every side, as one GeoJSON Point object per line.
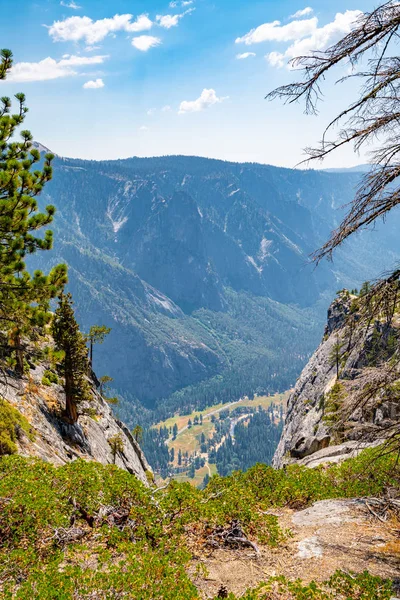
{"type": "Point", "coordinates": [306, 433]}
{"type": "Point", "coordinates": [332, 512]}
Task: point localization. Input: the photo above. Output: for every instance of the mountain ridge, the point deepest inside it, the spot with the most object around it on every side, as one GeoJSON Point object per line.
{"type": "Point", "coordinates": [223, 244]}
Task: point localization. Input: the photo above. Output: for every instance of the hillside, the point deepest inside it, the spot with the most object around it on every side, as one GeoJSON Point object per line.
{"type": "Point", "coordinates": [200, 268]}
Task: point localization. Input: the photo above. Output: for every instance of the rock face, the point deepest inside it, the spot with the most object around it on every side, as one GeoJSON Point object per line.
{"type": "Point", "coordinates": [56, 441]}
{"type": "Point", "coordinates": [308, 438]}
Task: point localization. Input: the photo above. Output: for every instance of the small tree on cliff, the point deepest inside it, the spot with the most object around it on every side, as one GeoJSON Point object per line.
{"type": "Point", "coordinates": [24, 299]}
{"type": "Point", "coordinates": [137, 433]}
{"type": "Point", "coordinates": [96, 335]}
{"type": "Point", "coordinates": [335, 355]}
{"type": "Point", "coordinates": [116, 444]}
{"type": "Point", "coordinates": [75, 363]}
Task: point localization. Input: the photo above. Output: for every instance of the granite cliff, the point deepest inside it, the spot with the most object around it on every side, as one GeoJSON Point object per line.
{"type": "Point", "coordinates": [52, 438]}
{"type": "Point", "coordinates": [347, 355]}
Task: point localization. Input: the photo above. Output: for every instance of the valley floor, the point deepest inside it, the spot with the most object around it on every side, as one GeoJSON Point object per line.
{"type": "Point", "coordinates": [191, 429]}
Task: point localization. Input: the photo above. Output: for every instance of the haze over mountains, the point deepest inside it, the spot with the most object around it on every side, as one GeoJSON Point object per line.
{"type": "Point", "coordinates": [201, 269]}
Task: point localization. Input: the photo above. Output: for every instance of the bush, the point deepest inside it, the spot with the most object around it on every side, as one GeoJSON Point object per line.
{"type": "Point", "coordinates": [11, 423]}
{"type": "Point", "coordinates": [50, 376]}
{"type": "Point", "coordinates": [341, 586]}
{"type": "Point", "coordinates": [144, 553]}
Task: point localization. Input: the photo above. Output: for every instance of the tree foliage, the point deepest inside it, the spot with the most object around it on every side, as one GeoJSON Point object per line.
{"type": "Point", "coordinates": [96, 335]}
{"type": "Point", "coordinates": [24, 298]}
{"type": "Point", "coordinates": [74, 365]}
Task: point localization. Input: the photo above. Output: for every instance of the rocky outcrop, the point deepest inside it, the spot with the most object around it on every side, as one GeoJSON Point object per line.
{"type": "Point", "coordinates": [308, 437]}
{"type": "Point", "coordinates": [57, 441]}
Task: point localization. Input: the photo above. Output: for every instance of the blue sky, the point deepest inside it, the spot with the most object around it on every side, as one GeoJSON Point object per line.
{"type": "Point", "coordinates": [154, 77]}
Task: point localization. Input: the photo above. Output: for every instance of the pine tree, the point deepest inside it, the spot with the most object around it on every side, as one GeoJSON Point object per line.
{"type": "Point", "coordinates": [116, 445]}
{"type": "Point", "coordinates": [138, 433]}
{"type": "Point", "coordinates": [24, 299]}
{"type": "Point", "coordinates": [96, 335]}
{"type": "Point", "coordinates": [179, 457]}
{"type": "Point", "coordinates": [75, 365]}
{"type": "Point", "coordinates": [335, 355]}
{"type": "Point", "coordinates": [175, 431]}
{"type": "Point", "coordinates": [104, 381]}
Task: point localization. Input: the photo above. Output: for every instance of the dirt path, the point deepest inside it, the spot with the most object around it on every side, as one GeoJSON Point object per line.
{"type": "Point", "coordinates": [330, 535]}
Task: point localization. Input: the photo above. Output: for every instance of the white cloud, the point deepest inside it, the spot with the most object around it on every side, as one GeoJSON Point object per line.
{"type": "Point", "coordinates": [176, 3]}
{"type": "Point", "coordinates": [207, 99]}
{"type": "Point", "coordinates": [145, 42]}
{"type": "Point", "coordinates": [275, 32]}
{"type": "Point", "coordinates": [319, 39]}
{"type": "Point", "coordinates": [151, 112]}
{"type": "Point", "coordinates": [143, 128]}
{"type": "Point", "coordinates": [49, 68]}
{"type": "Point", "coordinates": [70, 5]}
{"type": "Point", "coordinates": [75, 29]}
{"type": "Point", "coordinates": [168, 21]}
{"type": "Point", "coordinates": [166, 108]}
{"type": "Point", "coordinates": [94, 84]}
{"type": "Point", "coordinates": [302, 13]}
{"type": "Point", "coordinates": [245, 55]}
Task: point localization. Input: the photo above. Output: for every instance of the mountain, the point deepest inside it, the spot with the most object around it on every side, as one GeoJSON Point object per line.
{"type": "Point", "coordinates": [201, 269]}
{"type": "Point", "coordinates": [357, 169]}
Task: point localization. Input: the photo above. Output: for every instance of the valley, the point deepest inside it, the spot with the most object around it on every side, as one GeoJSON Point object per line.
{"type": "Point", "coordinates": [193, 440]}
{"type": "Point", "coordinates": [209, 295]}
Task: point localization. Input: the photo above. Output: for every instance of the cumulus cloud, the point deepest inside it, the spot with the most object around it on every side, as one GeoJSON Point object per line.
{"type": "Point", "coordinates": [168, 21]}
{"type": "Point", "coordinates": [275, 32]}
{"type": "Point", "coordinates": [49, 68]}
{"type": "Point", "coordinates": [319, 39]}
{"type": "Point", "coordinates": [245, 55]}
{"type": "Point", "coordinates": [94, 84]}
{"type": "Point", "coordinates": [206, 99]}
{"type": "Point", "coordinates": [143, 128]}
{"type": "Point", "coordinates": [166, 108]}
{"type": "Point", "coordinates": [75, 29]}
{"type": "Point", "coordinates": [302, 13]}
{"type": "Point", "coordinates": [145, 42]}
{"type": "Point", "coordinates": [70, 5]}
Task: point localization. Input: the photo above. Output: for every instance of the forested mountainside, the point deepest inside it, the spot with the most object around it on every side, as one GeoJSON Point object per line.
{"type": "Point", "coordinates": [200, 268]}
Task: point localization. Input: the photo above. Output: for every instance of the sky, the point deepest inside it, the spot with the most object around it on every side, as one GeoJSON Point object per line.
{"type": "Point", "coordinates": [108, 80]}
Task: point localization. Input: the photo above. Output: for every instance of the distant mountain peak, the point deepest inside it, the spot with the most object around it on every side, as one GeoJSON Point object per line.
{"type": "Point", "coordinates": [41, 148]}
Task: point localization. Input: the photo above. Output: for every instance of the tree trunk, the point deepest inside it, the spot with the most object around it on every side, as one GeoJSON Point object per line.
{"type": "Point", "coordinates": [70, 405]}
{"type": "Point", "coordinates": [91, 352]}
{"type": "Point", "coordinates": [19, 355]}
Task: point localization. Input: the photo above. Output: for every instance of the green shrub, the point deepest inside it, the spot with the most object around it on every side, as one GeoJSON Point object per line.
{"type": "Point", "coordinates": [147, 555]}
{"type": "Point", "coordinates": [341, 586]}
{"type": "Point", "coordinates": [50, 376]}
{"type": "Point", "coordinates": [11, 422]}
